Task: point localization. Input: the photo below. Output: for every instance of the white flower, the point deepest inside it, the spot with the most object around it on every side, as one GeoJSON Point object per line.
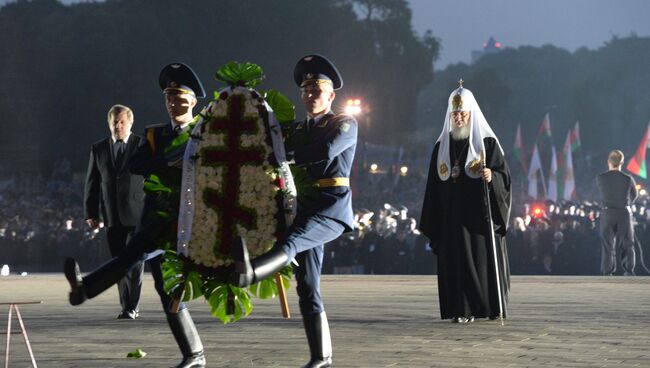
{"type": "Point", "coordinates": [257, 190]}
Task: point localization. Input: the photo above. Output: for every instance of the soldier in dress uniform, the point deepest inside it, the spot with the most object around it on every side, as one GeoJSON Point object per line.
{"type": "Point", "coordinates": [160, 160]}
{"type": "Point", "coordinates": [323, 145]}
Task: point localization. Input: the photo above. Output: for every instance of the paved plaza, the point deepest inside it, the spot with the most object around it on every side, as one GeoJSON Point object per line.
{"type": "Point", "coordinates": [376, 321]}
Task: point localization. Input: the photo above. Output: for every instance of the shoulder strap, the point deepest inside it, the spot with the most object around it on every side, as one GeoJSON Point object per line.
{"type": "Point", "coordinates": [151, 131]}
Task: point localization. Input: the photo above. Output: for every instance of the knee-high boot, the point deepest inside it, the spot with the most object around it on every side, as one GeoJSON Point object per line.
{"type": "Point", "coordinates": [187, 338]}
{"type": "Point", "coordinates": [320, 344]}
{"type": "Point", "coordinates": [249, 271]}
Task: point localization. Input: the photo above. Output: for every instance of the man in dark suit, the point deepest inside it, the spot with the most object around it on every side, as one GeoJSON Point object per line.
{"type": "Point", "coordinates": [323, 145]}
{"type": "Point", "coordinates": [618, 191]}
{"type": "Point", "coordinates": [160, 160]}
{"type": "Point", "coordinates": [116, 195]}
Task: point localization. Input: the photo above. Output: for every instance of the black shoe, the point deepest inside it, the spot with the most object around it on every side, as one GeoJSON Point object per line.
{"type": "Point", "coordinates": [247, 271]}
{"type": "Point", "coordinates": [128, 315]}
{"type": "Point", "coordinates": [463, 320]}
{"type": "Point", "coordinates": [629, 273]}
{"type": "Point", "coordinates": [194, 361]}
{"type": "Point", "coordinates": [73, 275]}
{"type": "Point", "coordinates": [319, 363]}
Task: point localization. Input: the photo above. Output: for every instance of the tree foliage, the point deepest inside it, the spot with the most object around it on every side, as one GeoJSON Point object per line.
{"type": "Point", "coordinates": [66, 65]}
{"type": "Point", "coordinates": [607, 90]}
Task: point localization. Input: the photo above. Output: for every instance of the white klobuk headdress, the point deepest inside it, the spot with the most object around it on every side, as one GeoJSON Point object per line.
{"type": "Point", "coordinates": [462, 99]}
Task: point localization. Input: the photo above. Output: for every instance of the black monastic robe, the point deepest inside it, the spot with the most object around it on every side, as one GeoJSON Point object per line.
{"type": "Point", "coordinates": [454, 218]}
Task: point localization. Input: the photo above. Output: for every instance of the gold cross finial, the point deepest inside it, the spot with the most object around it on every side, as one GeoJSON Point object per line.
{"type": "Point", "coordinates": [460, 82]}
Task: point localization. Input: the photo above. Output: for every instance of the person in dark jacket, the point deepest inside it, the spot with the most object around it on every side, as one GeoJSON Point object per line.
{"type": "Point", "coordinates": [114, 195]}
{"type": "Point", "coordinates": [618, 191]}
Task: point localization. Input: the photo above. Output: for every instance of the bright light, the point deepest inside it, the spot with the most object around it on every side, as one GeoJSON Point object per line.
{"type": "Point", "coordinates": [403, 170]}
{"type": "Point", "coordinates": [537, 211]}
{"type": "Point", "coordinates": [353, 106]}
{"type": "Point", "coordinates": [352, 110]}
{"type": "Point", "coordinates": [638, 187]}
{"type": "Point", "coordinates": [374, 167]}
{"type": "Point", "coordinates": [643, 192]}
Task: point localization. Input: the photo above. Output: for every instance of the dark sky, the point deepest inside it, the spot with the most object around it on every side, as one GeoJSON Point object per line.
{"type": "Point", "coordinates": [463, 26]}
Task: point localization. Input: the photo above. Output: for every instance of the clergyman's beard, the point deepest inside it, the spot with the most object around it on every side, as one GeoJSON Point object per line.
{"type": "Point", "coordinates": [461, 133]}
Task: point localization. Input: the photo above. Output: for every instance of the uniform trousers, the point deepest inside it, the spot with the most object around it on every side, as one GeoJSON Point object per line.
{"type": "Point", "coordinates": [305, 241]}
{"type": "Point", "coordinates": [138, 249]}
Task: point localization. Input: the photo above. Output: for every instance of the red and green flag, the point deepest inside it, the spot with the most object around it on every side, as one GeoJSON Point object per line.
{"type": "Point", "coordinates": [544, 132]}
{"type": "Point", "coordinates": [637, 164]}
{"type": "Point", "coordinates": [518, 150]}
{"type": "Point", "coordinates": [575, 137]}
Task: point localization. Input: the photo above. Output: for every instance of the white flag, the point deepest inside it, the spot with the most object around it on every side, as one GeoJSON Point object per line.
{"type": "Point", "coordinates": [552, 177]}
{"type": "Point", "coordinates": [569, 180]}
{"type": "Point", "coordinates": [534, 167]}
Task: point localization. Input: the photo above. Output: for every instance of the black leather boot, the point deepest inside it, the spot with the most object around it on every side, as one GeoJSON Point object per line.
{"type": "Point", "coordinates": [95, 282]}
{"type": "Point", "coordinates": [320, 344]}
{"type": "Point", "coordinates": [247, 271]}
{"type": "Point", "coordinates": [187, 338]}
{"type": "Point", "coordinates": [73, 275]}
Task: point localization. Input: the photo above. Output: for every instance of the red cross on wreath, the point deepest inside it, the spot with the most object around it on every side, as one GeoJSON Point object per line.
{"type": "Point", "coordinates": [231, 157]}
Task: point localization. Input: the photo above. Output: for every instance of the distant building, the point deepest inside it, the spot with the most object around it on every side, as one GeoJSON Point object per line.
{"type": "Point", "coordinates": [490, 47]}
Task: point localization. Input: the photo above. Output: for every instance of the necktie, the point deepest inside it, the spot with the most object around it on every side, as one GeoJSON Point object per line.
{"type": "Point", "coordinates": [310, 124]}
{"type": "Point", "coordinates": [118, 152]}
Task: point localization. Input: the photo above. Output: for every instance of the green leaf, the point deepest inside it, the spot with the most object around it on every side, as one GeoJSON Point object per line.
{"type": "Point", "coordinates": [243, 299]}
{"type": "Point", "coordinates": [152, 184]}
{"type": "Point", "coordinates": [268, 288]}
{"type": "Point", "coordinates": [254, 288]}
{"type": "Point", "coordinates": [136, 354]}
{"type": "Point", "coordinates": [282, 107]}
{"type": "Point", "coordinates": [177, 144]}
{"type": "Point", "coordinates": [304, 182]}
{"type": "Point", "coordinates": [217, 301]}
{"type": "Point", "coordinates": [172, 268]}
{"type": "Point", "coordinates": [244, 74]}
{"type": "Point", "coordinates": [193, 286]}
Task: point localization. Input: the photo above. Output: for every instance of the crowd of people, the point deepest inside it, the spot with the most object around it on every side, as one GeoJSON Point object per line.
{"type": "Point", "coordinates": [41, 223]}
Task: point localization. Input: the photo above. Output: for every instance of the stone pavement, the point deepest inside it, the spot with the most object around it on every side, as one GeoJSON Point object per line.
{"type": "Point", "coordinates": [376, 321]}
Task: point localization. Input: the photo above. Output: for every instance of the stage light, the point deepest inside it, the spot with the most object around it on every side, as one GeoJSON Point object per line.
{"type": "Point", "coordinates": [353, 106]}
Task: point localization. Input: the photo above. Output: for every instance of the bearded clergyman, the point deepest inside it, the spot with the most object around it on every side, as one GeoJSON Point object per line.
{"type": "Point", "coordinates": [468, 173]}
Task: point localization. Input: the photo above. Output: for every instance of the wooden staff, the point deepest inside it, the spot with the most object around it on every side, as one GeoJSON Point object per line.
{"type": "Point", "coordinates": [492, 240]}
{"type": "Point", "coordinates": [283, 296]}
